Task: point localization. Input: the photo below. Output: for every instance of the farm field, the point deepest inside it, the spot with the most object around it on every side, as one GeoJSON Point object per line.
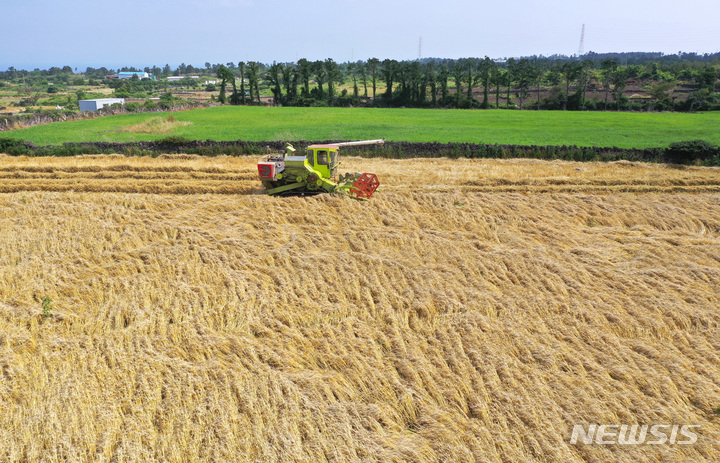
{"type": "Point", "coordinates": [602, 129]}
{"type": "Point", "coordinates": [165, 309]}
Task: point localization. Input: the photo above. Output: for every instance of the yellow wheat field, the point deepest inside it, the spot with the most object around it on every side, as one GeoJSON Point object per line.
{"type": "Point", "coordinates": [471, 311]}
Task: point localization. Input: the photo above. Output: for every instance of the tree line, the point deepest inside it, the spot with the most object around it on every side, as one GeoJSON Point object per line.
{"type": "Point", "coordinates": [525, 83]}
{"type": "Point", "coordinates": [682, 82]}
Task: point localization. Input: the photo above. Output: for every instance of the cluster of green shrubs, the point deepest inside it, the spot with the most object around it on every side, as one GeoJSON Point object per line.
{"type": "Point", "coordinates": [694, 151]}
{"type": "Point", "coordinates": [698, 152]}
{"type": "Point", "coordinates": [166, 103]}
{"type": "Point", "coordinates": [171, 144]}
{"type": "Point", "coordinates": [14, 147]}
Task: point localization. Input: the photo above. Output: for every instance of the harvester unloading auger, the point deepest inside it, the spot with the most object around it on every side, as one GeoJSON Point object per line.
{"type": "Point", "coordinates": [315, 172]}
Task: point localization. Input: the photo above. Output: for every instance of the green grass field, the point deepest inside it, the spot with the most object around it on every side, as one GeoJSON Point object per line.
{"type": "Point", "coordinates": [603, 129]}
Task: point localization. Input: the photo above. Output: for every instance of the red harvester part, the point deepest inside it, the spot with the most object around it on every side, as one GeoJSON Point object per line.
{"type": "Point", "coordinates": [365, 186]}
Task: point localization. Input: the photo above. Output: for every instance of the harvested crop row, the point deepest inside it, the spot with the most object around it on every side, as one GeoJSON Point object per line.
{"type": "Point", "coordinates": [193, 174]}
{"type": "Point", "coordinates": [154, 186]}
{"type": "Point", "coordinates": [239, 174]}
{"type": "Point", "coordinates": [594, 189]}
{"type": "Point", "coordinates": [110, 168]}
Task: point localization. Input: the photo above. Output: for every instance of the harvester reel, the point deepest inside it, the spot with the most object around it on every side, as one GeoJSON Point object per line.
{"type": "Point", "coordinates": [365, 186]}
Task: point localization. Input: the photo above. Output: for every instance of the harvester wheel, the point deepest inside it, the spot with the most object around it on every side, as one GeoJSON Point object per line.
{"type": "Point", "coordinates": [312, 182]}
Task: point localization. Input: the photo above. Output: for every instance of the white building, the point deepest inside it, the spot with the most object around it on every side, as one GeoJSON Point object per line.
{"type": "Point", "coordinates": [129, 75]}
{"type": "Point", "coordinates": [176, 78]}
{"type": "Point", "coordinates": [94, 105]}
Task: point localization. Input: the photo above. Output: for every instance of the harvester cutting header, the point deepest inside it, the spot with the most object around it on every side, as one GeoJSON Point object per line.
{"type": "Point", "coordinates": [315, 172]}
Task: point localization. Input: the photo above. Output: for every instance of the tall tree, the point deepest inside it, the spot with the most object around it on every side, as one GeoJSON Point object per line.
{"type": "Point", "coordinates": [241, 66]}
{"type": "Point", "coordinates": [585, 76]}
{"type": "Point", "coordinates": [402, 88]}
{"type": "Point", "coordinates": [486, 68]}
{"type": "Point", "coordinates": [570, 71]}
{"type": "Point", "coordinates": [431, 75]}
{"type": "Point", "coordinates": [424, 82]}
{"type": "Point", "coordinates": [415, 82]}
{"type": "Point", "coordinates": [388, 71]}
{"type": "Point", "coordinates": [320, 75]}
{"type": "Point", "coordinates": [225, 74]}
{"type": "Point", "coordinates": [443, 77]}
{"type": "Point", "coordinates": [334, 76]}
{"type": "Point", "coordinates": [273, 77]}
{"type": "Point", "coordinates": [618, 79]}
{"type": "Point", "coordinates": [362, 68]}
{"type": "Point", "coordinates": [458, 73]}
{"type": "Point", "coordinates": [509, 78]}
{"type": "Point", "coordinates": [524, 75]}
{"type": "Point", "coordinates": [352, 69]}
{"type": "Point", "coordinates": [661, 92]}
{"type": "Point", "coordinates": [471, 76]}
{"type": "Point", "coordinates": [235, 97]}
{"type": "Point", "coordinates": [253, 70]}
{"type": "Point", "coordinates": [538, 74]}
{"type": "Point", "coordinates": [289, 78]}
{"type": "Point", "coordinates": [497, 78]}
{"type": "Point", "coordinates": [707, 78]}
{"type": "Point", "coordinates": [373, 64]}
{"type": "Point", "coordinates": [607, 69]}
{"type": "Point", "coordinates": [305, 70]}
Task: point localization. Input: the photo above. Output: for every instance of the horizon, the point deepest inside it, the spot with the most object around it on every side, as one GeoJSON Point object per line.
{"type": "Point", "coordinates": [80, 69]}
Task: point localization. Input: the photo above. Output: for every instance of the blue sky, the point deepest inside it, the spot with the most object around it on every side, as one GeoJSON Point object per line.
{"type": "Point", "coordinates": [140, 33]}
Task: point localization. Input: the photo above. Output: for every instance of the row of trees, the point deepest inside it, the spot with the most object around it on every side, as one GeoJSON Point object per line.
{"type": "Point", "coordinates": [666, 82]}
{"type": "Point", "coordinates": [476, 83]}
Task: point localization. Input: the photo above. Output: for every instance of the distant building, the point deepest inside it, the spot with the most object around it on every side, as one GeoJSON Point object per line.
{"type": "Point", "coordinates": [175, 78]}
{"type": "Point", "coordinates": [129, 75]}
{"type": "Point", "coordinates": [94, 105]}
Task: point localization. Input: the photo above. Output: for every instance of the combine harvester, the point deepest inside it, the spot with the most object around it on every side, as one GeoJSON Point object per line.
{"type": "Point", "coordinates": [315, 172]}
